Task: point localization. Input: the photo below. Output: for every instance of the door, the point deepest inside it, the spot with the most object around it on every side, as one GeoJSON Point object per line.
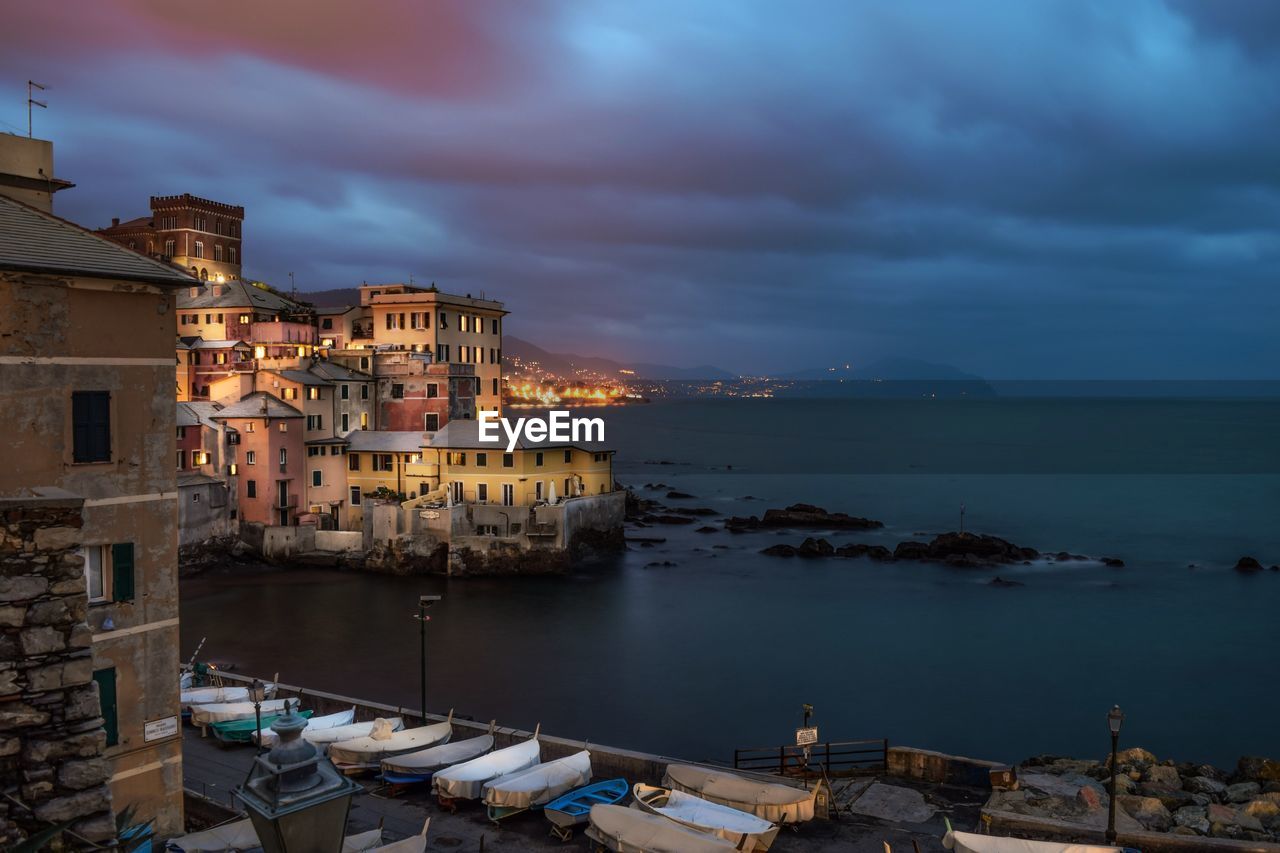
{"type": "Point", "coordinates": [106, 681]}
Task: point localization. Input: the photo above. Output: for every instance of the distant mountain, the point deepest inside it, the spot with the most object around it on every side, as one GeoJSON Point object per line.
{"type": "Point", "coordinates": [565, 363]}
{"type": "Point", "coordinates": [886, 369]}
{"type": "Point", "coordinates": [332, 298]}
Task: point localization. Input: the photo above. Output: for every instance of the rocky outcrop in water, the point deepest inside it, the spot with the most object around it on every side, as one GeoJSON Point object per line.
{"type": "Point", "coordinates": [801, 516]}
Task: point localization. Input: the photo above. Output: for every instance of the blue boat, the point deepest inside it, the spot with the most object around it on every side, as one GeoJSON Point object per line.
{"type": "Point", "coordinates": [567, 811]}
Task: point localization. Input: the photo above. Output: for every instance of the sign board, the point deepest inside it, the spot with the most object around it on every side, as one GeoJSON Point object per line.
{"type": "Point", "coordinates": [804, 737]}
{"type": "Point", "coordinates": [160, 729]}
{"type": "Point", "coordinates": [429, 514]}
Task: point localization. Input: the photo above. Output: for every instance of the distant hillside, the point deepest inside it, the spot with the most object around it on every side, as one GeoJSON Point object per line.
{"type": "Point", "coordinates": [332, 298]}
{"type": "Point", "coordinates": [566, 363]}
{"type": "Point", "coordinates": [887, 369]}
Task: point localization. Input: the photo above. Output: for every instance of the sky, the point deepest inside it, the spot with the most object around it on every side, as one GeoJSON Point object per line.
{"type": "Point", "coordinates": [1040, 189]}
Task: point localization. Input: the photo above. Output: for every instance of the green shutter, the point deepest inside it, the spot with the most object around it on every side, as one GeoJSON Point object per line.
{"type": "Point", "coordinates": [106, 681]}
{"type": "Point", "coordinates": [122, 572]}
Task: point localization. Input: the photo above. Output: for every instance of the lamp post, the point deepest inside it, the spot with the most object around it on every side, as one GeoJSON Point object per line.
{"type": "Point", "coordinates": [424, 602]}
{"type": "Point", "coordinates": [296, 798]}
{"type": "Point", "coordinates": [1115, 719]}
{"type": "Point", "coordinates": [257, 692]}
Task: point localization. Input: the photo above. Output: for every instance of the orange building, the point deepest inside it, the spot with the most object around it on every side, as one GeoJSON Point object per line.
{"type": "Point", "coordinates": [269, 458]}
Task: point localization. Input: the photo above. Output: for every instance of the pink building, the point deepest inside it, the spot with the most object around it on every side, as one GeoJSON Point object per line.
{"type": "Point", "coordinates": [270, 459]}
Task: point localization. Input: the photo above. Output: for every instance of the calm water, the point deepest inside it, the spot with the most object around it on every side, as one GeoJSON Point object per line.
{"type": "Point", "coordinates": [721, 649]}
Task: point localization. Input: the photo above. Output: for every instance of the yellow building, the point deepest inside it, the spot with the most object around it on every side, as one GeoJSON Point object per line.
{"type": "Point", "coordinates": [388, 460]}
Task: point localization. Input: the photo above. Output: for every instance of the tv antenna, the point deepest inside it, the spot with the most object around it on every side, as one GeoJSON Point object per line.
{"type": "Point", "coordinates": [31, 101]}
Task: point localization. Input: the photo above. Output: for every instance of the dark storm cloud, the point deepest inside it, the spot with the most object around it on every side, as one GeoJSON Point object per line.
{"type": "Point", "coordinates": [1020, 189]}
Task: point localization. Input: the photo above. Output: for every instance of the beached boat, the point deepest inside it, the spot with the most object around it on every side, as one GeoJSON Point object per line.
{"type": "Point", "coordinates": [367, 753]}
{"type": "Point", "coordinates": [571, 809]}
{"type": "Point", "coordinates": [625, 830]}
{"type": "Point", "coordinates": [267, 737]}
{"type": "Point", "coordinates": [774, 802]}
{"type": "Point", "coordinates": [536, 786]}
{"type": "Point", "coordinates": [242, 731]}
{"type": "Point", "coordinates": [240, 835]}
{"type": "Point", "coordinates": [381, 726]}
{"type": "Point", "coordinates": [743, 830]}
{"type": "Point", "coordinates": [414, 767]}
{"type": "Point", "coordinates": [210, 695]}
{"type": "Point", "coordinates": [412, 844]}
{"type": "Point", "coordinates": [465, 781]}
{"type": "Point", "coordinates": [968, 842]}
{"type": "Point", "coordinates": [221, 712]}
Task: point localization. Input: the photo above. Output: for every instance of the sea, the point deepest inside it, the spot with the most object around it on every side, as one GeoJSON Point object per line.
{"type": "Point", "coordinates": [698, 644]}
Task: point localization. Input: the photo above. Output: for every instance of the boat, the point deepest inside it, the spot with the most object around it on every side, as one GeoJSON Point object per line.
{"type": "Point", "coordinates": [625, 830]}
{"type": "Point", "coordinates": [465, 781]}
{"type": "Point", "coordinates": [535, 786]}
{"type": "Point", "coordinates": [211, 695]}
{"type": "Point", "coordinates": [772, 801]}
{"type": "Point", "coordinates": [240, 835]}
{"type": "Point", "coordinates": [743, 830]}
{"type": "Point", "coordinates": [412, 844]}
{"type": "Point", "coordinates": [969, 842]}
{"type": "Point", "coordinates": [571, 809]}
{"type": "Point", "coordinates": [413, 767]}
{"type": "Point", "coordinates": [221, 712]}
{"type": "Point", "coordinates": [362, 842]}
{"type": "Point", "coordinates": [242, 731]}
{"type": "Point", "coordinates": [366, 753]}
{"type": "Point", "coordinates": [323, 738]}
{"type": "Point", "coordinates": [267, 737]}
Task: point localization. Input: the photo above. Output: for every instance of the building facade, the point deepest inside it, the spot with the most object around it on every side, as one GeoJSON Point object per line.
{"type": "Point", "coordinates": [268, 458]}
{"type": "Point", "coordinates": [196, 234]}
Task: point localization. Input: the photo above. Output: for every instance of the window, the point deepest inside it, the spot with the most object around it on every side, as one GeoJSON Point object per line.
{"type": "Point", "coordinates": [508, 496]}
{"type": "Point", "coordinates": [482, 460]}
{"type": "Point", "coordinates": [353, 461]}
{"type": "Point", "coordinates": [251, 456]}
{"type": "Point", "coordinates": [106, 681]}
{"type": "Point", "coordinates": [364, 391]}
{"type": "Point", "coordinates": [346, 421]}
{"type": "Point", "coordinates": [199, 252]}
{"type": "Point", "coordinates": [457, 458]}
{"type": "Point", "coordinates": [433, 390]}
{"type": "Point", "coordinates": [122, 572]}
{"type": "Point", "coordinates": [508, 460]}
{"type": "Point", "coordinates": [199, 457]}
{"type": "Point", "coordinates": [383, 462]}
{"type": "Point", "coordinates": [201, 224]}
{"type": "Point", "coordinates": [537, 490]}
{"type": "Point", "coordinates": [91, 426]}
{"type": "Point", "coordinates": [284, 426]}
{"type": "Point", "coordinates": [397, 391]}
{"type": "Point", "coordinates": [195, 497]}
{"type": "Point", "coordinates": [284, 458]}
{"type": "Point", "coordinates": [464, 323]}
{"type": "Point", "coordinates": [600, 457]}
{"type": "Point", "coordinates": [568, 456]}
{"type": "Point", "coordinates": [182, 432]}
{"type": "Point", "coordinates": [364, 420]}
{"type": "Point", "coordinates": [245, 318]}
{"type": "Point", "coordinates": [444, 322]}
{"type": "Point", "coordinates": [316, 481]}
{"type": "Point", "coordinates": [482, 492]}
{"type": "Point", "coordinates": [251, 488]}
{"type": "Point", "coordinates": [313, 392]}
{"type": "Point", "coordinates": [182, 459]}
{"type": "Point", "coordinates": [95, 582]}
{"type": "Point", "coordinates": [537, 458]}
{"type": "Point", "coordinates": [217, 252]}
{"type": "Point", "coordinates": [346, 392]}
{"type": "Point", "coordinates": [315, 421]}
{"type": "Point", "coordinates": [248, 427]}
{"type": "Point", "coordinates": [364, 363]}
{"type": "Point", "coordinates": [442, 353]}
{"type": "Point", "coordinates": [495, 386]}
{"type": "Point", "coordinates": [464, 354]}
{"type": "Point", "coordinates": [355, 496]}
{"type": "Point", "coordinates": [313, 451]}
{"type": "Point", "coordinates": [170, 248]}
{"type": "Point", "coordinates": [231, 255]}
{"type": "Point", "coordinates": [430, 422]}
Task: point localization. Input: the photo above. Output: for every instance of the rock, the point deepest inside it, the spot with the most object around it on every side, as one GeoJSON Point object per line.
{"type": "Point", "coordinates": [1242, 792]}
{"type": "Point", "coordinates": [1253, 768]}
{"type": "Point", "coordinates": [780, 550]}
{"type": "Point", "coordinates": [803, 515]}
{"type": "Point", "coordinates": [1205, 785]}
{"type": "Point", "coordinates": [666, 518]}
{"type": "Point", "coordinates": [665, 564]}
{"type": "Point", "coordinates": [1089, 798]}
{"type": "Point", "coordinates": [1192, 817]}
{"type": "Point", "coordinates": [706, 528]}
{"type": "Point", "coordinates": [1124, 785]}
{"type": "Point", "coordinates": [911, 551]}
{"type": "Point", "coordinates": [694, 510]}
{"type": "Point", "coordinates": [1218, 813]}
{"type": "Point", "coordinates": [1224, 830]}
{"type": "Point", "coordinates": [1001, 582]}
{"type": "Point", "coordinates": [1133, 755]}
{"type": "Point", "coordinates": [1113, 562]}
{"type": "Point", "coordinates": [858, 549]}
{"type": "Point", "coordinates": [77, 805]}
{"type": "Point", "coordinates": [815, 548]}
{"type": "Point", "coordinates": [1159, 774]}
{"type": "Point", "coordinates": [673, 495]}
{"type": "Point", "coordinates": [1173, 798]}
{"type": "Point", "coordinates": [23, 587]}
{"type": "Point", "coordinates": [1148, 811]}
{"type": "Point", "coordinates": [1208, 771]}
{"type": "Point", "coordinates": [1261, 809]}
{"type": "Point", "coordinates": [79, 775]}
{"type": "Point", "coordinates": [1248, 564]}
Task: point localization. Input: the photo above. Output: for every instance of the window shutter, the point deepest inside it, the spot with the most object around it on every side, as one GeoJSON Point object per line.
{"type": "Point", "coordinates": [122, 572]}
{"type": "Point", "coordinates": [106, 680]}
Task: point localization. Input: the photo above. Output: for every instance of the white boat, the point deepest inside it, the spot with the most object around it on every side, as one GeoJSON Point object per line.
{"type": "Point", "coordinates": [362, 842]}
{"type": "Point", "coordinates": [537, 785]}
{"type": "Point", "coordinates": [625, 830]}
{"type": "Point", "coordinates": [210, 695]}
{"type": "Point", "coordinates": [381, 727]}
{"type": "Point", "coordinates": [743, 830]}
{"type": "Point", "coordinates": [412, 844]}
{"type": "Point", "coordinates": [368, 752]}
{"type": "Point", "coordinates": [769, 800]}
{"type": "Point", "coordinates": [465, 781]}
{"type": "Point", "coordinates": [969, 842]}
{"type": "Point", "coordinates": [418, 766]}
{"type": "Point", "coordinates": [267, 737]}
{"type": "Point", "coordinates": [221, 712]}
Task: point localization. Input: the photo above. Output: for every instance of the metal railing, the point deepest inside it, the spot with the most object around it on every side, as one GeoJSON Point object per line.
{"type": "Point", "coordinates": [836, 758]}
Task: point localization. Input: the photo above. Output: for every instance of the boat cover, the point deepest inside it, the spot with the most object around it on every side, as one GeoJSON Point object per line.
{"type": "Point", "coordinates": [239, 835]}
{"type": "Point", "coordinates": [969, 842]}
{"type": "Point", "coordinates": [427, 760]}
{"type": "Point", "coordinates": [371, 750]}
{"type": "Point", "coordinates": [466, 780]}
{"type": "Point", "coordinates": [222, 712]}
{"type": "Point", "coordinates": [725, 822]}
{"type": "Point", "coordinates": [362, 841]}
{"type": "Point", "coordinates": [631, 831]}
{"type": "Point", "coordinates": [379, 728]}
{"type": "Point", "coordinates": [539, 784]}
{"type": "Point", "coordinates": [206, 695]}
{"type": "Point", "coordinates": [768, 800]}
{"type": "Point", "coordinates": [267, 737]}
{"type": "Point", "coordinates": [412, 844]}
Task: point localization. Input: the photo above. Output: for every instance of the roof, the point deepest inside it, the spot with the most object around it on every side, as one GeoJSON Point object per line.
{"type": "Point", "coordinates": [302, 377]}
{"type": "Point", "coordinates": [197, 342]}
{"type": "Point", "coordinates": [198, 412]}
{"type": "Point", "coordinates": [328, 440]}
{"type": "Point", "coordinates": [34, 241]}
{"type": "Point", "coordinates": [335, 309]}
{"type": "Point", "coordinates": [465, 434]}
{"type": "Point", "coordinates": [235, 293]}
{"type": "Point", "coordinates": [132, 223]}
{"type": "Point", "coordinates": [195, 478]}
{"type": "Point", "coordinates": [386, 440]}
{"type": "Point", "coordinates": [331, 371]}
{"type": "Point", "coordinates": [259, 404]}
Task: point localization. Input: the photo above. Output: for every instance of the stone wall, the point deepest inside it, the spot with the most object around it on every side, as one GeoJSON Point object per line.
{"type": "Point", "coordinates": [51, 735]}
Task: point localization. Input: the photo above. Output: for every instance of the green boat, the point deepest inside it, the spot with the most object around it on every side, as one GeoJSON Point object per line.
{"type": "Point", "coordinates": [241, 731]}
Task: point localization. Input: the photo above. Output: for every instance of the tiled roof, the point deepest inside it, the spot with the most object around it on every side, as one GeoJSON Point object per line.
{"type": "Point", "coordinates": [196, 412]}
{"type": "Point", "coordinates": [330, 370]}
{"type": "Point", "coordinates": [197, 342]}
{"type": "Point", "coordinates": [259, 404]}
{"type": "Point", "coordinates": [302, 377]}
{"type": "Point", "coordinates": [465, 434]}
{"type": "Point", "coordinates": [38, 242]}
{"type": "Point", "coordinates": [385, 441]}
{"type": "Point", "coordinates": [235, 294]}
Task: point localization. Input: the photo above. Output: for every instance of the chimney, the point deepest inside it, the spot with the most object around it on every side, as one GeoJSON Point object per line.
{"type": "Point", "coordinates": [115, 220]}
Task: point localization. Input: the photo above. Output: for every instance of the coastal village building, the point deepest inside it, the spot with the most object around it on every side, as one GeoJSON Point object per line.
{"type": "Point", "coordinates": [354, 396]}
{"type": "Point", "coordinates": [89, 596]}
{"type": "Point", "coordinates": [192, 233]}
{"type": "Point", "coordinates": [385, 462]}
{"type": "Point", "coordinates": [269, 458]}
{"type": "Point", "coordinates": [206, 493]}
{"type": "Point", "coordinates": [26, 171]}
{"type": "Point", "coordinates": [201, 362]}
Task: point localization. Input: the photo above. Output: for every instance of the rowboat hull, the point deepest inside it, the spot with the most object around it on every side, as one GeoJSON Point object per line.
{"type": "Point", "coordinates": [420, 766]}
{"type": "Point", "coordinates": [625, 830]}
{"type": "Point", "coordinates": [536, 786]}
{"type": "Point", "coordinates": [242, 731]}
{"type": "Point", "coordinates": [742, 829]}
{"type": "Point", "coordinates": [771, 801]}
{"type": "Point", "coordinates": [574, 808]}
{"type": "Point", "coordinates": [466, 781]}
{"type": "Point", "coordinates": [355, 756]}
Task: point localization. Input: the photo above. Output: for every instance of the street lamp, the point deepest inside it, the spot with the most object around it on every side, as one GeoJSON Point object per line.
{"type": "Point", "coordinates": [424, 601]}
{"type": "Point", "coordinates": [1115, 719]}
{"type": "Point", "coordinates": [296, 798]}
{"type": "Point", "coordinates": [257, 692]}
